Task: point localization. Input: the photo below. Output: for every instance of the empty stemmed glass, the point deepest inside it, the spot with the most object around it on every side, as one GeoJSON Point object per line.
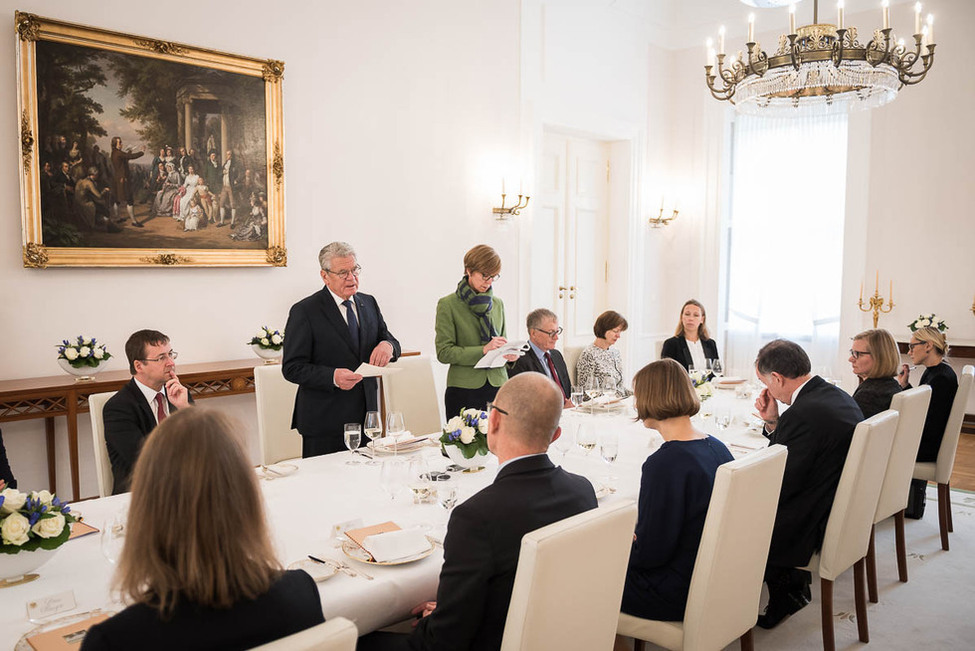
{"type": "Point", "coordinates": [722, 418]}
{"type": "Point", "coordinates": [353, 437]}
{"type": "Point", "coordinates": [447, 494]}
{"type": "Point", "coordinates": [113, 535]}
{"type": "Point", "coordinates": [419, 479]}
{"type": "Point", "coordinates": [373, 428]}
{"type": "Point", "coordinates": [609, 387]}
{"type": "Point", "coordinates": [393, 475]}
{"type": "Point", "coordinates": [394, 427]}
{"type": "Point", "coordinates": [609, 447]}
{"type": "Point", "coordinates": [714, 365]}
{"type": "Point", "coordinates": [566, 439]}
{"type": "Point", "coordinates": [586, 437]}
{"type": "Point", "coordinates": [593, 388]}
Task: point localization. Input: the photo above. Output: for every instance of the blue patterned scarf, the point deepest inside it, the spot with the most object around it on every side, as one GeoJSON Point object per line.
{"type": "Point", "coordinates": [480, 305]}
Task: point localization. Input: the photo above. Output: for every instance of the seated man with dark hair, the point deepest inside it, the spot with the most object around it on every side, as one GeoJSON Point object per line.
{"type": "Point", "coordinates": [484, 534]}
{"type": "Point", "coordinates": [817, 429]}
{"type": "Point", "coordinates": [150, 396]}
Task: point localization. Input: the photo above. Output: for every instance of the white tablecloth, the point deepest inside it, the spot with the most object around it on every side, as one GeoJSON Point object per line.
{"type": "Point", "coordinates": [302, 508]}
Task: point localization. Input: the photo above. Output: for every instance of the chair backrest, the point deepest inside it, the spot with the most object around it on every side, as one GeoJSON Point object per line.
{"type": "Point", "coordinates": [851, 517]}
{"type": "Point", "coordinates": [337, 634]}
{"type": "Point", "coordinates": [103, 466]}
{"type": "Point", "coordinates": [413, 393]}
{"type": "Point", "coordinates": [912, 407]}
{"type": "Point", "coordinates": [275, 403]}
{"type": "Point", "coordinates": [569, 582]}
{"type": "Point", "coordinates": [571, 356]}
{"type": "Point", "coordinates": [949, 444]}
{"type": "Point", "coordinates": [727, 581]}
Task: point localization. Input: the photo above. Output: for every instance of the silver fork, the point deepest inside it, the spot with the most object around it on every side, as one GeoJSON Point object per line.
{"type": "Point", "coordinates": [345, 567]}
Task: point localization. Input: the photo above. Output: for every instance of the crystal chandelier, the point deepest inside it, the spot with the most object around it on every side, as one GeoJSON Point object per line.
{"type": "Point", "coordinates": [820, 68]}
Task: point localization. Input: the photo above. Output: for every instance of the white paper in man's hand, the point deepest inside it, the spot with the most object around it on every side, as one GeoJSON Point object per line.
{"type": "Point", "coordinates": [369, 370]}
{"type": "Point", "coordinates": [495, 358]}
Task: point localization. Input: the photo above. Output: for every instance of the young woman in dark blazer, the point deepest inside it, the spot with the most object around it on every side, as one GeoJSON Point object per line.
{"type": "Point", "coordinates": [691, 340]}
{"type": "Point", "coordinates": [198, 566]}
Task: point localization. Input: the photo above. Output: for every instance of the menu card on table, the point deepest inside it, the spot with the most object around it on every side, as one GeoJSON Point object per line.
{"type": "Point", "coordinates": [66, 637]}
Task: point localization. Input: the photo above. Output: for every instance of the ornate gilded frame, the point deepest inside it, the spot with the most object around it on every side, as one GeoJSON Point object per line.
{"type": "Point", "coordinates": [31, 29]}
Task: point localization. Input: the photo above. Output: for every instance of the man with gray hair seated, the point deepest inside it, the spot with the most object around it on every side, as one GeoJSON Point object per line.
{"type": "Point", "coordinates": [817, 429]}
{"type": "Point", "coordinates": [484, 533]}
{"type": "Point", "coordinates": [328, 335]}
{"type": "Point", "coordinates": [543, 334]}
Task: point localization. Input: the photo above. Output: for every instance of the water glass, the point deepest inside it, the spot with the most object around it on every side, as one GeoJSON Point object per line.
{"type": "Point", "coordinates": [419, 479]}
{"type": "Point", "coordinates": [586, 437]}
{"type": "Point", "coordinates": [393, 475]}
{"type": "Point", "coordinates": [722, 418]}
{"type": "Point", "coordinates": [566, 440]}
{"type": "Point", "coordinates": [113, 535]}
{"type": "Point", "coordinates": [447, 494]}
{"type": "Point", "coordinates": [353, 437]}
{"type": "Point", "coordinates": [609, 446]}
{"type": "Point", "coordinates": [577, 396]}
{"type": "Point", "coordinates": [714, 365]}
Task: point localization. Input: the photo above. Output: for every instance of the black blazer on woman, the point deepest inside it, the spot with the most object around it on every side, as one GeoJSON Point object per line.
{"type": "Point", "coordinates": [944, 385]}
{"type": "Point", "coordinates": [676, 348]}
{"type": "Point", "coordinates": [875, 393]}
{"type": "Point", "coordinates": [291, 605]}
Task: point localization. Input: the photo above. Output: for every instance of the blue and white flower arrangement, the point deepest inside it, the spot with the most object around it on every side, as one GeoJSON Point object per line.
{"type": "Point", "coordinates": [83, 352]}
{"type": "Point", "coordinates": [28, 522]}
{"type": "Point", "coordinates": [928, 320]}
{"type": "Point", "coordinates": [268, 339]}
{"type": "Point", "coordinates": [468, 432]}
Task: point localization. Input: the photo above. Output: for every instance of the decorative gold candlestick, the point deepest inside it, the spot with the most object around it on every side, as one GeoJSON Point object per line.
{"type": "Point", "coordinates": [876, 302]}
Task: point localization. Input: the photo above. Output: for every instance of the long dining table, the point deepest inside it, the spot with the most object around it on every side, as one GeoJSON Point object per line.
{"type": "Point", "coordinates": [303, 507]}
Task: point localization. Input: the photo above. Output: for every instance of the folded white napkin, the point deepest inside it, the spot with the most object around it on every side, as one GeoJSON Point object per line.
{"type": "Point", "coordinates": [391, 440]}
{"type": "Point", "coordinates": [394, 545]}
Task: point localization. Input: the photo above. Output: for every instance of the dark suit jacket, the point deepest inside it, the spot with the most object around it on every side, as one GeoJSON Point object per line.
{"type": "Point", "coordinates": [318, 342]}
{"type": "Point", "coordinates": [676, 348]}
{"type": "Point", "coordinates": [482, 547]}
{"type": "Point", "coordinates": [6, 474]}
{"type": "Point", "coordinates": [291, 605]}
{"type": "Point", "coordinates": [817, 430]}
{"type": "Point", "coordinates": [944, 385]}
{"type": "Point", "coordinates": [128, 420]}
{"type": "Point", "coordinates": [530, 362]}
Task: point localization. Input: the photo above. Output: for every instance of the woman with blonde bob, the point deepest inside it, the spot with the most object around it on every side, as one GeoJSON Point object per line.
{"type": "Point", "coordinates": [198, 565]}
{"type": "Point", "coordinates": [875, 361]}
{"type": "Point", "coordinates": [675, 491]}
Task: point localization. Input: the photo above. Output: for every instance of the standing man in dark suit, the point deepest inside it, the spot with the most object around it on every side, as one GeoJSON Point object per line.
{"type": "Point", "coordinates": [543, 334]}
{"type": "Point", "coordinates": [151, 395]}
{"type": "Point", "coordinates": [484, 534]}
{"type": "Point", "coordinates": [329, 334]}
{"type": "Point", "coordinates": [817, 429]}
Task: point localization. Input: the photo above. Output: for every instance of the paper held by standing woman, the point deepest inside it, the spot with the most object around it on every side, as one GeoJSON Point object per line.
{"type": "Point", "coordinates": [496, 358]}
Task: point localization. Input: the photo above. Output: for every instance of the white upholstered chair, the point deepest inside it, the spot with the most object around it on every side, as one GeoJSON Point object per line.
{"type": "Point", "coordinates": [851, 518]}
{"type": "Point", "coordinates": [569, 582]}
{"type": "Point", "coordinates": [275, 402]}
{"type": "Point", "coordinates": [912, 407]}
{"type": "Point", "coordinates": [571, 356]}
{"type": "Point", "coordinates": [939, 471]}
{"type": "Point", "coordinates": [722, 604]}
{"type": "Point", "coordinates": [413, 393]}
{"type": "Point", "coordinates": [337, 634]}
{"type": "Point", "coordinates": [103, 466]}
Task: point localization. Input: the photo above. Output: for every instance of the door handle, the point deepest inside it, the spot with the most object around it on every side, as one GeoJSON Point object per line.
{"type": "Point", "coordinates": [562, 289]}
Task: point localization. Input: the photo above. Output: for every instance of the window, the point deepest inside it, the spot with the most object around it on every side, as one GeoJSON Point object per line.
{"type": "Point", "coordinates": [785, 240]}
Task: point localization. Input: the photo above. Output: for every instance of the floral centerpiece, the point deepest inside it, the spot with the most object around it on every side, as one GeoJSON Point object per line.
{"type": "Point", "coordinates": [702, 384]}
{"type": "Point", "coordinates": [927, 320]}
{"type": "Point", "coordinates": [464, 437]}
{"type": "Point", "coordinates": [267, 344]}
{"type": "Point", "coordinates": [81, 356]}
{"type": "Point", "coordinates": [30, 522]}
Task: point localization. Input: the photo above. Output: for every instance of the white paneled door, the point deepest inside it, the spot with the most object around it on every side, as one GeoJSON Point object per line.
{"type": "Point", "coordinates": [570, 234]}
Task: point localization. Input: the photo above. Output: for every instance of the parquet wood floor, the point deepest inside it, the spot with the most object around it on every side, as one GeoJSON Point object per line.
{"type": "Point", "coordinates": [963, 475]}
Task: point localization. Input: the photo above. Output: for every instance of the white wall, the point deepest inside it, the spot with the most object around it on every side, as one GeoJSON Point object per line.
{"type": "Point", "coordinates": [392, 111]}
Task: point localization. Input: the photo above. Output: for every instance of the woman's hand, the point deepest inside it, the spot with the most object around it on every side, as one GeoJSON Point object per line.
{"type": "Point", "coordinates": [904, 377]}
{"type": "Point", "coordinates": [496, 342]}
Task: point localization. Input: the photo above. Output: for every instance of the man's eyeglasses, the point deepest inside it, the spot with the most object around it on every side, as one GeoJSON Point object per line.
{"type": "Point", "coordinates": [911, 346]}
{"type": "Point", "coordinates": [355, 271]}
{"type": "Point", "coordinates": [855, 354]}
{"type": "Point", "coordinates": [493, 406]}
{"type": "Point", "coordinates": [171, 355]}
{"type": "Point", "coordinates": [550, 333]}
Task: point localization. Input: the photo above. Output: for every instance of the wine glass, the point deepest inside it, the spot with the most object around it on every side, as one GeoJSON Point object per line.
{"type": "Point", "coordinates": [609, 447]}
{"type": "Point", "coordinates": [609, 387]}
{"type": "Point", "coordinates": [586, 437]}
{"type": "Point", "coordinates": [577, 395]}
{"type": "Point", "coordinates": [393, 475]}
{"type": "Point", "coordinates": [565, 441]}
{"type": "Point", "coordinates": [447, 494]}
{"type": "Point", "coordinates": [419, 479]}
{"type": "Point", "coordinates": [594, 388]}
{"type": "Point", "coordinates": [714, 365]}
{"type": "Point", "coordinates": [394, 427]}
{"type": "Point", "coordinates": [722, 418]}
{"type": "Point", "coordinates": [353, 436]}
{"type": "Point", "coordinates": [373, 428]}
{"type": "Point", "coordinates": [113, 536]}
{"type": "Point", "coordinates": [706, 412]}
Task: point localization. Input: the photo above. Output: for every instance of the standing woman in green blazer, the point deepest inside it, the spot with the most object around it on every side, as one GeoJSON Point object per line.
{"type": "Point", "coordinates": [470, 322]}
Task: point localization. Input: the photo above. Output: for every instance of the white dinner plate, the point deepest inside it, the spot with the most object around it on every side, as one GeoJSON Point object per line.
{"type": "Point", "coordinates": [318, 571]}
{"type": "Point", "coordinates": [357, 553]}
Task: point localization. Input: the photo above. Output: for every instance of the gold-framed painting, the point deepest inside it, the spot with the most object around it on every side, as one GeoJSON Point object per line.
{"type": "Point", "coordinates": [137, 152]}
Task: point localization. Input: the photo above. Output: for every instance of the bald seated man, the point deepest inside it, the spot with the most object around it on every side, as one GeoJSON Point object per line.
{"type": "Point", "coordinates": [484, 534]}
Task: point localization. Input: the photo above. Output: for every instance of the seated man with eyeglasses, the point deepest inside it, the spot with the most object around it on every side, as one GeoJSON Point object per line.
{"type": "Point", "coordinates": [150, 396]}
{"type": "Point", "coordinates": [543, 334]}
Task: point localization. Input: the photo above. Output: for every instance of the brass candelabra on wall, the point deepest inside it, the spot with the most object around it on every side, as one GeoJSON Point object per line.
{"type": "Point", "coordinates": [876, 302]}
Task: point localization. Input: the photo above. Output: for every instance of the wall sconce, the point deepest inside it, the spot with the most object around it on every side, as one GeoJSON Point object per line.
{"type": "Point", "coordinates": [504, 212]}
{"type": "Point", "coordinates": [660, 220]}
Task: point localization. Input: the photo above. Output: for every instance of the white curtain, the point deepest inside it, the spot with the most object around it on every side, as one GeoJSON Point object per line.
{"type": "Point", "coordinates": [785, 244]}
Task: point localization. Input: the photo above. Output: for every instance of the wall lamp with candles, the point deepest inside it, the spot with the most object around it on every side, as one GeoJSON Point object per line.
{"type": "Point", "coordinates": [505, 212]}
{"type": "Point", "coordinates": [660, 220]}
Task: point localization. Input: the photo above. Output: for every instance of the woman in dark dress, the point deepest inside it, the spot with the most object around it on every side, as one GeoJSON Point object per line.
{"type": "Point", "coordinates": [675, 491]}
{"type": "Point", "coordinates": [198, 565]}
{"type": "Point", "coordinates": [875, 360]}
{"type": "Point", "coordinates": [691, 343]}
{"type": "Point", "coordinates": [928, 348]}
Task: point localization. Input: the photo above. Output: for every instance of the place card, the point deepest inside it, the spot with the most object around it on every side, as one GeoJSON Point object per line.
{"type": "Point", "coordinates": [65, 638]}
{"type": "Point", "coordinates": [38, 609]}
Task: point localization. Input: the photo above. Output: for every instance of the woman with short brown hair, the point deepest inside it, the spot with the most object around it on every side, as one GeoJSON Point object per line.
{"type": "Point", "coordinates": [198, 565]}
{"type": "Point", "coordinates": [599, 361]}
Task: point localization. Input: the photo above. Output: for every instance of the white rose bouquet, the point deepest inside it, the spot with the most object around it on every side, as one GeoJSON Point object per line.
{"type": "Point", "coordinates": [702, 384]}
{"type": "Point", "coordinates": [928, 320]}
{"type": "Point", "coordinates": [83, 351]}
{"type": "Point", "coordinates": [467, 431]}
{"type": "Point", "coordinates": [268, 339]}
{"type": "Point", "coordinates": [35, 521]}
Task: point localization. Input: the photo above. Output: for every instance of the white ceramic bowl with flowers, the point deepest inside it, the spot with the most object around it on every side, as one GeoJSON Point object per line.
{"type": "Point", "coordinates": [464, 438]}
{"type": "Point", "coordinates": [32, 526]}
{"type": "Point", "coordinates": [268, 344]}
{"type": "Point", "coordinates": [82, 356]}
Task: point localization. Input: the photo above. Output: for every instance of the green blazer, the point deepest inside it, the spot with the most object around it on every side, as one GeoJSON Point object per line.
{"type": "Point", "coordinates": [459, 344]}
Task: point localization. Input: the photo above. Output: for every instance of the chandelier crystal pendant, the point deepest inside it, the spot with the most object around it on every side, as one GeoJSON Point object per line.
{"type": "Point", "coordinates": [820, 68]}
